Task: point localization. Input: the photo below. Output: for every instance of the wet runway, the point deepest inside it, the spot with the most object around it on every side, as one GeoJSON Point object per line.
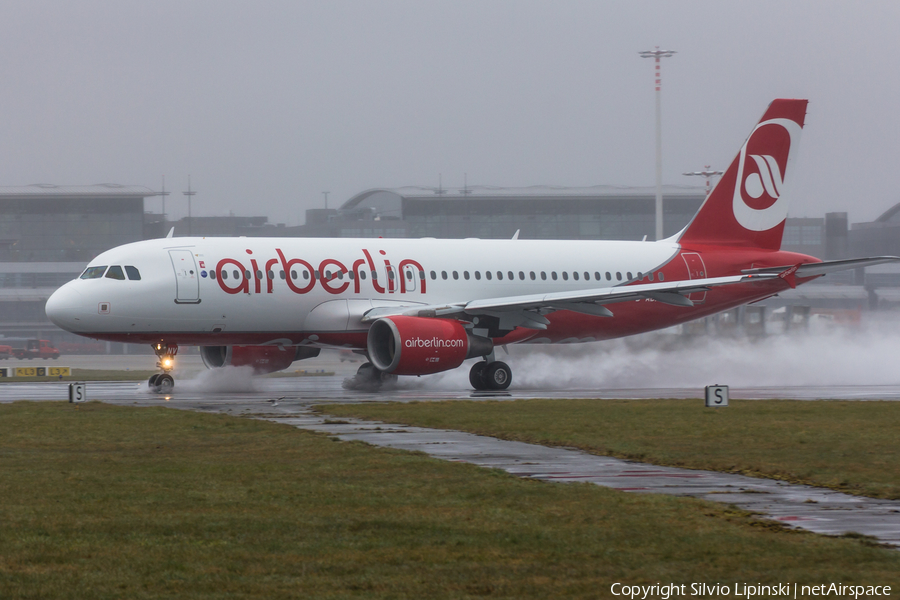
{"type": "Point", "coordinates": [288, 400]}
{"type": "Point", "coordinates": [206, 388]}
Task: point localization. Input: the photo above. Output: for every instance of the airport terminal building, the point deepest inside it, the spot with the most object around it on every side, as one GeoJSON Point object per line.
{"type": "Point", "coordinates": [48, 233]}
{"type": "Point", "coordinates": [540, 212]}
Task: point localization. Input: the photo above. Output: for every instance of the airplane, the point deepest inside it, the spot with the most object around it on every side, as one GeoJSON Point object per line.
{"type": "Point", "coordinates": [423, 306]}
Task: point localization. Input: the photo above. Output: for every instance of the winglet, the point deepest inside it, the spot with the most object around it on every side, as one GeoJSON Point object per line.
{"type": "Point", "coordinates": [516, 234]}
{"type": "Point", "coordinates": [171, 232]}
{"type": "Point", "coordinates": [790, 275]}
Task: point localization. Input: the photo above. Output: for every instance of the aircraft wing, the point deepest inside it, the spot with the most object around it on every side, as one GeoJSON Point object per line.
{"type": "Point", "coordinates": [825, 267]}
{"type": "Point", "coordinates": [528, 310]}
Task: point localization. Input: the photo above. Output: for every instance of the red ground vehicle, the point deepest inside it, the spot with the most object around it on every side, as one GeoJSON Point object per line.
{"type": "Point", "coordinates": [36, 349]}
{"type": "Point", "coordinates": [5, 352]}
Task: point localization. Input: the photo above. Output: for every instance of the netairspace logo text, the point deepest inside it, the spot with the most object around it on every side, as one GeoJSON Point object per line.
{"type": "Point", "coordinates": [747, 590]}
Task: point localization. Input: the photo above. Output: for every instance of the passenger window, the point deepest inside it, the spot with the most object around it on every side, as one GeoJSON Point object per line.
{"type": "Point", "coordinates": [575, 275]}
{"type": "Point", "coordinates": [258, 274]}
{"type": "Point", "coordinates": [618, 276]}
{"type": "Point", "coordinates": [224, 274]}
{"type": "Point", "coordinates": [212, 274]}
{"type": "Point", "coordinates": [351, 275]}
{"type": "Point", "coordinates": [510, 275]}
{"type": "Point", "coordinates": [465, 274]}
{"type": "Point", "coordinates": [553, 275]}
{"type": "Point", "coordinates": [362, 274]}
{"type": "Point", "coordinates": [661, 277]}
{"type": "Point", "coordinates": [521, 276]}
{"type": "Point", "coordinates": [650, 275]}
{"type": "Point", "coordinates": [544, 275]}
{"type": "Point", "coordinates": [487, 274]}
{"type": "Point", "coordinates": [93, 272]}
{"type": "Point", "coordinates": [455, 275]}
{"type": "Point", "coordinates": [608, 276]}
{"type": "Point", "coordinates": [236, 273]}
{"type": "Point", "coordinates": [409, 275]}
{"type": "Point", "coordinates": [281, 274]}
{"type": "Point", "coordinates": [247, 274]}
{"type": "Point", "coordinates": [115, 272]}
{"type": "Point", "coordinates": [565, 275]}
{"type": "Point", "coordinates": [444, 275]}
{"type": "Point", "coordinates": [477, 274]}
{"type": "Point", "coordinates": [532, 276]}
{"type": "Point", "coordinates": [433, 275]}
{"type": "Point", "coordinates": [587, 276]}
{"type": "Point", "coordinates": [135, 275]}
{"type": "Point", "coordinates": [316, 273]}
{"type": "Point", "coordinates": [629, 275]}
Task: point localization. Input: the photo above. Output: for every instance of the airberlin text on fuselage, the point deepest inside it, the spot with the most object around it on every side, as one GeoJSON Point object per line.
{"type": "Point", "coordinates": [331, 274]}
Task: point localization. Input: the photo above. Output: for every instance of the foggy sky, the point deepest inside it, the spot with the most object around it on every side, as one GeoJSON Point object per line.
{"type": "Point", "coordinates": [267, 104]}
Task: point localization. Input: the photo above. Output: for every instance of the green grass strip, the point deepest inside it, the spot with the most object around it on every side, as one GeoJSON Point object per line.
{"type": "Point", "coordinates": [100, 501]}
{"type": "Point", "coordinates": [847, 446]}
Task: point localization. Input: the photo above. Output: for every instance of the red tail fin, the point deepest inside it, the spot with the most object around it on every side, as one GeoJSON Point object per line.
{"type": "Point", "coordinates": [747, 207]}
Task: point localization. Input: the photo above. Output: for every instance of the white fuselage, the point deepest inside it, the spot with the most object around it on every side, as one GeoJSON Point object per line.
{"type": "Point", "coordinates": [294, 287]}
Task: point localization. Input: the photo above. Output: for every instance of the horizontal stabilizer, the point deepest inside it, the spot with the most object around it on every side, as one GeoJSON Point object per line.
{"type": "Point", "coordinates": [825, 267]}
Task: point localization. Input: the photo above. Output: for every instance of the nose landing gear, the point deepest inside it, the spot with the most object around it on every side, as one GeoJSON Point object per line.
{"type": "Point", "coordinates": [163, 383]}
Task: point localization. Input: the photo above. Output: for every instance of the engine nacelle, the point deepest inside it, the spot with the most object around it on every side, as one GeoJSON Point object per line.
{"type": "Point", "coordinates": [263, 359]}
{"type": "Point", "coordinates": [421, 346]}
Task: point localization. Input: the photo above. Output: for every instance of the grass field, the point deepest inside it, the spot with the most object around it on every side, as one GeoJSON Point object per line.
{"type": "Point", "coordinates": [102, 501]}
{"type": "Point", "coordinates": [847, 446]}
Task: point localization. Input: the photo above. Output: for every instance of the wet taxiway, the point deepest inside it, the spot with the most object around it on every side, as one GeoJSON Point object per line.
{"type": "Point", "coordinates": [288, 400]}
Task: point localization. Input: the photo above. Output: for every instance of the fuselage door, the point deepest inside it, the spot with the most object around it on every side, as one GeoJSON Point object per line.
{"type": "Point", "coordinates": [696, 270]}
{"type": "Point", "coordinates": [187, 283]}
{"type": "Point", "coordinates": [410, 279]}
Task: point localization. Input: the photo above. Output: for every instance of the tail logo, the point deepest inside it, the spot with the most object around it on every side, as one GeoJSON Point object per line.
{"type": "Point", "coordinates": [759, 203]}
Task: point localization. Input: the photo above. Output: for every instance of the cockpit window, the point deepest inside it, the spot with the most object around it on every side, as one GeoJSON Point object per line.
{"type": "Point", "coordinates": [133, 273]}
{"type": "Point", "coordinates": [93, 272]}
{"type": "Point", "coordinates": [115, 272]}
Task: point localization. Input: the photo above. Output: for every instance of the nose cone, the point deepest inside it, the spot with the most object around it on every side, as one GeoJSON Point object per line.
{"type": "Point", "coordinates": [64, 308]}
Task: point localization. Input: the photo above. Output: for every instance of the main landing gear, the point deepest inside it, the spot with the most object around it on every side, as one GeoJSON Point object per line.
{"type": "Point", "coordinates": [163, 383]}
{"type": "Point", "coordinates": [370, 377]}
{"type": "Point", "coordinates": [490, 375]}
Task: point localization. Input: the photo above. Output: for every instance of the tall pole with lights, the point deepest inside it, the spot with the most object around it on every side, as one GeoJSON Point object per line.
{"type": "Point", "coordinates": [706, 172]}
{"type": "Point", "coordinates": [658, 54]}
{"type": "Point", "coordinates": [164, 193]}
{"type": "Point", "coordinates": [190, 194]}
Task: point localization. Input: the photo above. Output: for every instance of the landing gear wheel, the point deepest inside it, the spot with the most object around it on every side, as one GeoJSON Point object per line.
{"type": "Point", "coordinates": [164, 383]}
{"type": "Point", "coordinates": [368, 376]}
{"type": "Point", "coordinates": [367, 371]}
{"type": "Point", "coordinates": [497, 376]}
{"type": "Point", "coordinates": [152, 382]}
{"type": "Point", "coordinates": [476, 376]}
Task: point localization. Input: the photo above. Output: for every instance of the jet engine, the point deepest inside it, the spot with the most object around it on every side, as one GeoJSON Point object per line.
{"type": "Point", "coordinates": [263, 359]}
{"type": "Point", "coordinates": [421, 346]}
